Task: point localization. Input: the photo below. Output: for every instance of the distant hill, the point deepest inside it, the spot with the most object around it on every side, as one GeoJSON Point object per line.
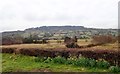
{"type": "Point", "coordinates": [56, 28]}
{"type": "Point", "coordinates": [57, 31]}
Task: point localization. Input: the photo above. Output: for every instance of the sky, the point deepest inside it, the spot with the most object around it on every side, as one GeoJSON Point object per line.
{"type": "Point", "coordinates": [22, 14]}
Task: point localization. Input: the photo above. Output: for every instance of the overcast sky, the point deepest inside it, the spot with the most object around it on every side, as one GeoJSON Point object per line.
{"type": "Point", "coordinates": [22, 14]}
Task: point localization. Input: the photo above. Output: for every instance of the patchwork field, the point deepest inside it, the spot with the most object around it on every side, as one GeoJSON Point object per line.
{"type": "Point", "coordinates": [20, 57]}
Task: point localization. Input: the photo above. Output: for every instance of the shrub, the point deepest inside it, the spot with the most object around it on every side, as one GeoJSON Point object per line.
{"type": "Point", "coordinates": [71, 42]}
{"type": "Point", "coordinates": [8, 50]}
{"type": "Point", "coordinates": [118, 38]}
{"type": "Point", "coordinates": [103, 39]}
{"type": "Point", "coordinates": [106, 64]}
{"type": "Point", "coordinates": [8, 40]}
{"type": "Point", "coordinates": [114, 69]}
{"type": "Point", "coordinates": [48, 60]}
{"type": "Point", "coordinates": [70, 61]}
{"type": "Point", "coordinates": [102, 64]}
{"type": "Point", "coordinates": [59, 60]}
{"type": "Point", "coordinates": [40, 59]}
{"type": "Point", "coordinates": [82, 62]}
{"type": "Point", "coordinates": [27, 40]}
{"type": "Point", "coordinates": [92, 62]}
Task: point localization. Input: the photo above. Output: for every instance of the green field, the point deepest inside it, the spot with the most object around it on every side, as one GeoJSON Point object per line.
{"type": "Point", "coordinates": [21, 63]}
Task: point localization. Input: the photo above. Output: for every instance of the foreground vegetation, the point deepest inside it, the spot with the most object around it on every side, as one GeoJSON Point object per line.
{"type": "Point", "coordinates": [21, 63]}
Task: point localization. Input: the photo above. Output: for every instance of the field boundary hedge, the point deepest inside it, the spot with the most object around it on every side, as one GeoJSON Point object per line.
{"type": "Point", "coordinates": [112, 56]}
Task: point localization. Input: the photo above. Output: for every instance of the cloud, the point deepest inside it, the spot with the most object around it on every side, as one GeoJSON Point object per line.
{"type": "Point", "coordinates": [21, 14]}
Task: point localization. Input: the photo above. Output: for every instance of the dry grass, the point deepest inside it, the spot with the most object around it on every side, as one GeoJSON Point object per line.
{"type": "Point", "coordinates": [83, 42]}
{"type": "Point", "coordinates": [114, 46]}
{"type": "Point", "coordinates": [54, 45]}
{"type": "Point", "coordinates": [34, 46]}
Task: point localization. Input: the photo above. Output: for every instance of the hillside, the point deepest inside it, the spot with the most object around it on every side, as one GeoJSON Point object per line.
{"type": "Point", "coordinates": [56, 28]}
{"type": "Point", "coordinates": [53, 32]}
